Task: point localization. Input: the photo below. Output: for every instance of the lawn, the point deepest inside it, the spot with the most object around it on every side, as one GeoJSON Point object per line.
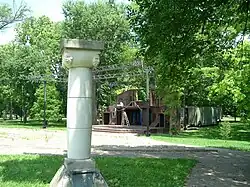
{"type": "Point", "coordinates": [37, 171]}
{"type": "Point", "coordinates": [32, 124]}
{"type": "Point", "coordinates": [234, 136]}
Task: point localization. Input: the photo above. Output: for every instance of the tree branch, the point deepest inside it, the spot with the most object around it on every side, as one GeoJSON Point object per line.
{"type": "Point", "coordinates": [16, 16]}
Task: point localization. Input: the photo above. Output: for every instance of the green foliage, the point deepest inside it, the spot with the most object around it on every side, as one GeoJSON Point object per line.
{"type": "Point", "coordinates": [192, 46]}
{"type": "Point", "coordinates": [43, 34]}
{"type": "Point", "coordinates": [108, 23]}
{"type": "Point", "coordinates": [16, 64]}
{"type": "Point", "coordinates": [9, 16]}
{"type": "Point", "coordinates": [225, 130]}
{"type": "Point", "coordinates": [5, 12]}
{"type": "Point", "coordinates": [53, 104]}
{"type": "Point", "coordinates": [19, 62]}
{"type": "Point", "coordinates": [174, 131]}
{"type": "Point", "coordinates": [98, 21]}
{"type": "Point", "coordinates": [232, 89]}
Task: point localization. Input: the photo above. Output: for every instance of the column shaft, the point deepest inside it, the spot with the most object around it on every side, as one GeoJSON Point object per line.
{"type": "Point", "coordinates": [79, 113]}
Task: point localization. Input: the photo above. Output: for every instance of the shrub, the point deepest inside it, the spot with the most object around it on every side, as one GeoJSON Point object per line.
{"type": "Point", "coordinates": [225, 130]}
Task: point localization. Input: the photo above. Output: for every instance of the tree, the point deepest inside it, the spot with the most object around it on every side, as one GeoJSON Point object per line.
{"type": "Point", "coordinates": [21, 63]}
{"type": "Point", "coordinates": [103, 21]}
{"type": "Point", "coordinates": [9, 16]}
{"type": "Point", "coordinates": [44, 36]}
{"type": "Point", "coordinates": [180, 36]}
{"type": "Point", "coordinates": [53, 106]}
{"type": "Point", "coordinates": [17, 65]}
{"type": "Point", "coordinates": [98, 21]}
{"type": "Point", "coordinates": [232, 90]}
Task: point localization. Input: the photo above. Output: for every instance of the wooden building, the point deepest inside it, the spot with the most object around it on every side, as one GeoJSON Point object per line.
{"type": "Point", "coordinates": [132, 112]}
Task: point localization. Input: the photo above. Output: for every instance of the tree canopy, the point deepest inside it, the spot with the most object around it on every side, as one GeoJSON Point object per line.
{"type": "Point", "coordinates": [199, 50]}
{"type": "Point", "coordinates": [190, 44]}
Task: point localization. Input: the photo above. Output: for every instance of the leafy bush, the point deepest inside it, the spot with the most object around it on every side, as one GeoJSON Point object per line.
{"type": "Point", "coordinates": [53, 104]}
{"type": "Point", "coordinates": [225, 130]}
{"type": "Point", "coordinates": [174, 131]}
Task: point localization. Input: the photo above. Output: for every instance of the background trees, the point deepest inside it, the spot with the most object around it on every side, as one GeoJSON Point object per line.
{"type": "Point", "coordinates": [34, 52]}
{"type": "Point", "coordinates": [191, 45]}
{"type": "Point", "coordinates": [37, 52]}
{"type": "Point", "coordinates": [53, 103]}
{"type": "Point", "coordinates": [106, 22]}
{"type": "Point", "coordinates": [199, 51]}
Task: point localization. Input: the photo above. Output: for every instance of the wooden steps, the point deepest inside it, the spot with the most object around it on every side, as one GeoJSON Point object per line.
{"type": "Point", "coordinates": [126, 129]}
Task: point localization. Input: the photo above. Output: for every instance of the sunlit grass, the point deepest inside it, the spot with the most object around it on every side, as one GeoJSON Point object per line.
{"type": "Point", "coordinates": [32, 124]}
{"type": "Point", "coordinates": [239, 137]}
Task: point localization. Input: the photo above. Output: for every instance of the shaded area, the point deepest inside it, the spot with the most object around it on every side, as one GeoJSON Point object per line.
{"type": "Point", "coordinates": [32, 124]}
{"type": "Point", "coordinates": [28, 170]}
{"type": "Point", "coordinates": [238, 137]}
{"type": "Point", "coordinates": [37, 171]}
{"type": "Point", "coordinates": [224, 168]}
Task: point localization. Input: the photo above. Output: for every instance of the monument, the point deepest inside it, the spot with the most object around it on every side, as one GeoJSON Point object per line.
{"type": "Point", "coordinates": [78, 170]}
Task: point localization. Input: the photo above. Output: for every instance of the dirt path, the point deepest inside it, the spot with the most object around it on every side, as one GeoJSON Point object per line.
{"type": "Point", "coordinates": [216, 167]}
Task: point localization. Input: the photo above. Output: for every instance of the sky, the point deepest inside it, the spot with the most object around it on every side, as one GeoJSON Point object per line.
{"type": "Point", "coordinates": [50, 8]}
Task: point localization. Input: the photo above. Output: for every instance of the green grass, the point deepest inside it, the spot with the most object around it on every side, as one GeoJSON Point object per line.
{"type": "Point", "coordinates": [37, 171]}
{"type": "Point", "coordinates": [32, 124]}
{"type": "Point", "coordinates": [239, 137]}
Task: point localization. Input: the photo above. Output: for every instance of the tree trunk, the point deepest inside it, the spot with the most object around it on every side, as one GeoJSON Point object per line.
{"type": "Point", "coordinates": [25, 115]}
{"type": "Point", "coordinates": [235, 114]}
{"type": "Point", "coordinates": [11, 110]}
{"type": "Point", "coordinates": [4, 114]}
{"type": "Point", "coordinates": [185, 118]}
{"type": "Point", "coordinates": [175, 126]}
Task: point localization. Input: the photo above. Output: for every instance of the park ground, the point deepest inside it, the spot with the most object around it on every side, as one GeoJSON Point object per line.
{"type": "Point", "coordinates": [29, 156]}
{"type": "Point", "coordinates": [228, 135]}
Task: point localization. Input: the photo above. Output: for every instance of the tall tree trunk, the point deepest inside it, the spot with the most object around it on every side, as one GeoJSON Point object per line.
{"type": "Point", "coordinates": [11, 110]}
{"type": "Point", "coordinates": [25, 115]}
{"type": "Point", "coordinates": [185, 121]}
{"type": "Point", "coordinates": [175, 126]}
{"type": "Point", "coordinates": [235, 114]}
{"type": "Point", "coordinates": [5, 114]}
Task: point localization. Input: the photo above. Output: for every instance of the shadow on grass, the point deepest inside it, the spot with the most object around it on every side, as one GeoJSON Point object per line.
{"type": "Point", "coordinates": [118, 171]}
{"type": "Point", "coordinates": [37, 169]}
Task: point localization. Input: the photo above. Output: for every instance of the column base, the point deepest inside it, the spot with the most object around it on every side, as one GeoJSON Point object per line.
{"type": "Point", "coordinates": [78, 173]}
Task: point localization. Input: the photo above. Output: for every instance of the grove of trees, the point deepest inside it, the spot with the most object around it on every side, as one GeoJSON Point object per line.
{"type": "Point", "coordinates": [200, 52]}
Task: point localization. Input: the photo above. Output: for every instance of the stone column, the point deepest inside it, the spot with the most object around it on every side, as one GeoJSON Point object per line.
{"type": "Point", "coordinates": [79, 56]}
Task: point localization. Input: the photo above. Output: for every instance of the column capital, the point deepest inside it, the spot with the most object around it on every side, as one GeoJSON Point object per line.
{"type": "Point", "coordinates": [81, 53]}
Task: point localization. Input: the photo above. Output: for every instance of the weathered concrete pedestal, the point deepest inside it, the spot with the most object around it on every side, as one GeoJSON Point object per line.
{"type": "Point", "coordinates": [78, 173]}
{"type": "Point", "coordinates": [78, 170]}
